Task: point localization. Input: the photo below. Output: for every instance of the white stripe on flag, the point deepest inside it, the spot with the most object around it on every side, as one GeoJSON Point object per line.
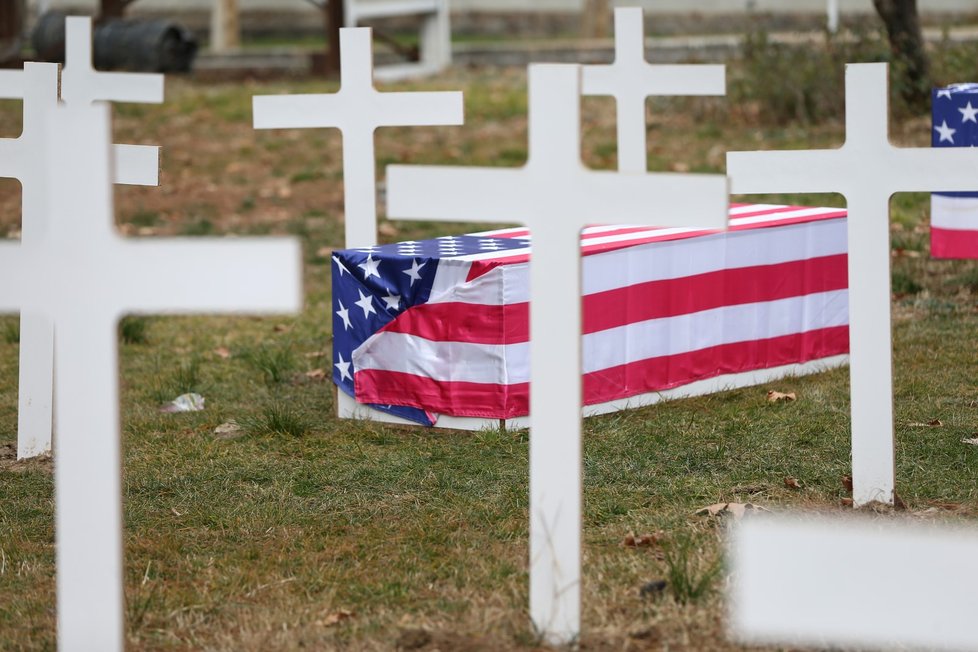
{"type": "Point", "coordinates": [959, 213]}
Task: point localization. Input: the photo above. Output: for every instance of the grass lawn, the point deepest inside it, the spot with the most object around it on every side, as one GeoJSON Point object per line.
{"type": "Point", "coordinates": [304, 531]}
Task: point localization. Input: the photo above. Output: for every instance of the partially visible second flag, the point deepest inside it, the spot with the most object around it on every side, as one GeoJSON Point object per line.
{"type": "Point", "coordinates": [954, 215]}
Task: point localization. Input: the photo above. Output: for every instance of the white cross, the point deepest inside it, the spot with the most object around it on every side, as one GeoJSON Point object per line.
{"type": "Point", "coordinates": [556, 196]}
{"type": "Point", "coordinates": [83, 276]}
{"type": "Point", "coordinates": [357, 110]}
{"type": "Point", "coordinates": [867, 169]}
{"type": "Point", "coordinates": [630, 79]}
{"type": "Point", "coordinates": [134, 165]}
{"type": "Point", "coordinates": [817, 580]}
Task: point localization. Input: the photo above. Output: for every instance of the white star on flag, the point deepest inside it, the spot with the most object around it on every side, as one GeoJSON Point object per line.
{"type": "Point", "coordinates": [946, 132]}
{"type": "Point", "coordinates": [344, 314]}
{"type": "Point", "coordinates": [344, 368]}
{"type": "Point", "coordinates": [393, 301]}
{"type": "Point", "coordinates": [413, 272]}
{"type": "Point", "coordinates": [369, 267]}
{"type": "Point", "coordinates": [342, 268]}
{"type": "Point", "coordinates": [968, 114]}
{"type": "Point", "coordinates": [944, 93]}
{"type": "Point", "coordinates": [366, 303]}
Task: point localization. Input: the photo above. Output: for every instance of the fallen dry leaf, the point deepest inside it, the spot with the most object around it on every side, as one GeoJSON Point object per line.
{"type": "Point", "coordinates": [229, 430]}
{"type": "Point", "coordinates": [643, 541]}
{"type": "Point", "coordinates": [774, 397]}
{"type": "Point", "coordinates": [281, 328]}
{"type": "Point", "coordinates": [898, 503]}
{"type": "Point", "coordinates": [324, 252]}
{"type": "Point", "coordinates": [847, 482]}
{"type": "Point", "coordinates": [792, 483]}
{"type": "Point", "coordinates": [222, 352]}
{"type": "Point", "coordinates": [905, 253]}
{"type": "Point", "coordinates": [335, 618]}
{"type": "Point", "coordinates": [737, 510]}
{"type": "Point", "coordinates": [846, 502]}
{"type": "Point", "coordinates": [316, 374]}
{"type": "Point", "coordinates": [930, 424]}
{"type": "Point", "coordinates": [749, 489]}
{"type": "Point", "coordinates": [973, 441]}
{"type": "Point", "coordinates": [388, 229]}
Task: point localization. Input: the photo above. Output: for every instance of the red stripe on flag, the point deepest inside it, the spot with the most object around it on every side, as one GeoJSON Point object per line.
{"type": "Point", "coordinates": [509, 324]}
{"type": "Point", "coordinates": [495, 401]}
{"type": "Point", "coordinates": [953, 243]}
{"type": "Point", "coordinates": [675, 370]}
{"type": "Point", "coordinates": [465, 322]}
{"type": "Point", "coordinates": [728, 287]}
{"type": "Point", "coordinates": [460, 399]}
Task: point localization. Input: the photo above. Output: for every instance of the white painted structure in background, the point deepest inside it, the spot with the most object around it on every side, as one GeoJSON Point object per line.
{"type": "Point", "coordinates": [867, 170]}
{"type": "Point", "coordinates": [82, 276]}
{"type": "Point", "coordinates": [630, 79]}
{"type": "Point", "coordinates": [651, 7]}
{"type": "Point", "coordinates": [134, 165]}
{"type": "Point", "coordinates": [357, 110]}
{"type": "Point", "coordinates": [434, 37]}
{"type": "Point", "coordinates": [555, 195]}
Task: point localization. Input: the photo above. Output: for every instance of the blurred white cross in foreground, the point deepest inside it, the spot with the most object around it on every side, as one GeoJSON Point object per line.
{"type": "Point", "coordinates": [867, 169]}
{"type": "Point", "coordinates": [631, 80]}
{"type": "Point", "coordinates": [556, 196]}
{"type": "Point", "coordinates": [83, 276]}
{"type": "Point", "coordinates": [357, 109]}
{"type": "Point", "coordinates": [134, 165]}
{"type": "Point", "coordinates": [832, 582]}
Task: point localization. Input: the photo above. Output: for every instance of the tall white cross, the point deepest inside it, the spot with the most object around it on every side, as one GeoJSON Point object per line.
{"type": "Point", "coordinates": [134, 165]}
{"type": "Point", "coordinates": [556, 196]}
{"type": "Point", "coordinates": [357, 110]}
{"type": "Point", "coordinates": [83, 276]}
{"type": "Point", "coordinates": [867, 169]}
{"type": "Point", "coordinates": [631, 79]}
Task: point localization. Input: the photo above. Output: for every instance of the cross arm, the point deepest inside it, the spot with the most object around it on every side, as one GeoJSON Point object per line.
{"type": "Point", "coordinates": [681, 79]}
{"type": "Point", "coordinates": [135, 87]}
{"type": "Point", "coordinates": [11, 276]}
{"type": "Point", "coordinates": [137, 165]}
{"type": "Point", "coordinates": [210, 276]}
{"type": "Point", "coordinates": [296, 111]}
{"type": "Point", "coordinates": [14, 158]}
{"type": "Point", "coordinates": [420, 109]}
{"type": "Point", "coordinates": [11, 84]}
{"type": "Point", "coordinates": [937, 169]}
{"type": "Point", "coordinates": [660, 199]}
{"type": "Point", "coordinates": [785, 172]}
{"type": "Point", "coordinates": [418, 192]}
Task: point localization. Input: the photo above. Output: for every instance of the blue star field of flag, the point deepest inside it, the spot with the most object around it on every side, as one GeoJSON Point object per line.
{"type": "Point", "coordinates": [373, 285]}
{"type": "Point", "coordinates": [954, 110]}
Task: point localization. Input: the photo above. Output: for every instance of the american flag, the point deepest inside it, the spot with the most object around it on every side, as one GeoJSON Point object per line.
{"type": "Point", "coordinates": [954, 215]}
{"type": "Point", "coordinates": [442, 326]}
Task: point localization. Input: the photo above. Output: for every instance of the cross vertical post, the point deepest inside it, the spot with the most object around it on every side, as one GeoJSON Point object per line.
{"type": "Point", "coordinates": [631, 79]}
{"type": "Point", "coordinates": [867, 170]}
{"type": "Point", "coordinates": [79, 248]}
{"type": "Point", "coordinates": [556, 196]}
{"type": "Point", "coordinates": [357, 110]}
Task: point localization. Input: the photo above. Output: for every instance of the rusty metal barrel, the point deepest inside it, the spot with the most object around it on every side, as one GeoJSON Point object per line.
{"type": "Point", "coordinates": [126, 44]}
